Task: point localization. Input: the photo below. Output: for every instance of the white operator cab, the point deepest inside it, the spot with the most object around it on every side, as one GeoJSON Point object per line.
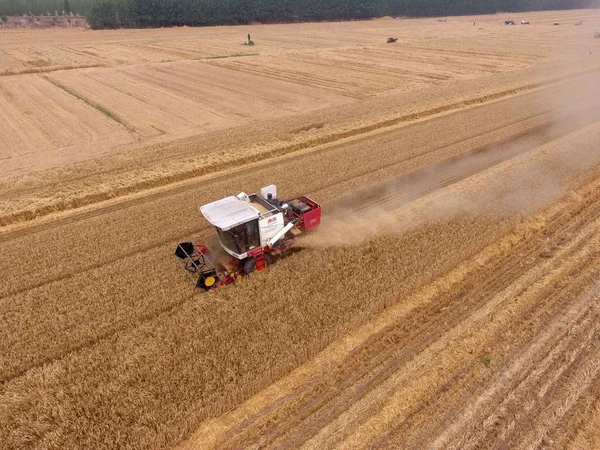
{"type": "Point", "coordinates": [245, 222]}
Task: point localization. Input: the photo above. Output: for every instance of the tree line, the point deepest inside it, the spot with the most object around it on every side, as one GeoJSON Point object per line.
{"type": "Point", "coordinates": [44, 7]}
{"type": "Point", "coordinates": [159, 13]}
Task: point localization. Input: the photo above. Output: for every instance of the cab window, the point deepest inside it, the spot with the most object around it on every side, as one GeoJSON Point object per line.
{"type": "Point", "coordinates": [242, 238]}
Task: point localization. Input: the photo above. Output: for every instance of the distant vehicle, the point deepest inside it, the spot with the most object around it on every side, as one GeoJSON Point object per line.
{"type": "Point", "coordinates": [509, 22]}
{"type": "Point", "coordinates": [391, 40]}
{"type": "Point", "coordinates": [556, 23]}
{"type": "Point", "coordinates": [579, 23]}
{"type": "Point", "coordinates": [524, 22]}
{"type": "Point", "coordinates": [442, 20]}
{"type": "Point", "coordinates": [597, 35]}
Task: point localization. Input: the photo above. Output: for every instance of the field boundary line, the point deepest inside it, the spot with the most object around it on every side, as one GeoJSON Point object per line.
{"type": "Point", "coordinates": [232, 55]}
{"type": "Point", "coordinates": [40, 70]}
{"type": "Point", "coordinates": [179, 180]}
{"type": "Point", "coordinates": [108, 113]}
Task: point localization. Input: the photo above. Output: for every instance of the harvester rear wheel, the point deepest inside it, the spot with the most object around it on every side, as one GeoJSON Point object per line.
{"type": "Point", "coordinates": [249, 265]}
{"type": "Point", "coordinates": [268, 259]}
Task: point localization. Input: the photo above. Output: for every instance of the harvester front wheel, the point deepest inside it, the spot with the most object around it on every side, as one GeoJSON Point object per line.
{"type": "Point", "coordinates": [207, 283]}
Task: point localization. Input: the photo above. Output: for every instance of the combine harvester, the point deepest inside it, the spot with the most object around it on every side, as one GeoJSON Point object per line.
{"type": "Point", "coordinates": [252, 229]}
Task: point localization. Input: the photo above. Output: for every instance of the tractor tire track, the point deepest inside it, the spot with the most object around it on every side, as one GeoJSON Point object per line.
{"type": "Point", "coordinates": [527, 324]}
{"type": "Point", "coordinates": [410, 418]}
{"type": "Point", "coordinates": [570, 432]}
{"type": "Point", "coordinates": [571, 383]}
{"type": "Point", "coordinates": [504, 398]}
{"type": "Point", "coordinates": [396, 368]}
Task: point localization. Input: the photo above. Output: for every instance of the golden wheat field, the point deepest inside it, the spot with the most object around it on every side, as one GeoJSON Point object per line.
{"type": "Point", "coordinates": [450, 298]}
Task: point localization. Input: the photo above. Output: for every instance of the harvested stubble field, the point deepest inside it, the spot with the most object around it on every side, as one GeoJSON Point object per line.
{"type": "Point", "coordinates": [449, 300]}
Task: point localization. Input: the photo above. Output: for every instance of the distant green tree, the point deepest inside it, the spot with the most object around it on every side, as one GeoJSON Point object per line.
{"type": "Point", "coordinates": [103, 15]}
{"type": "Point", "coordinates": [157, 13]}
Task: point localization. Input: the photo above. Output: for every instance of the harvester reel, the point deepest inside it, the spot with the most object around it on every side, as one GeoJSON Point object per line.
{"type": "Point", "coordinates": [184, 250]}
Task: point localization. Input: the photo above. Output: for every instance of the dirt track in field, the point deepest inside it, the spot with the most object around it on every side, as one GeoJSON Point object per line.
{"type": "Point", "coordinates": [449, 299]}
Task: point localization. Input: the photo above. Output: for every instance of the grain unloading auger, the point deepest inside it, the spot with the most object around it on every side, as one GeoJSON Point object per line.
{"type": "Point", "coordinates": [252, 230]}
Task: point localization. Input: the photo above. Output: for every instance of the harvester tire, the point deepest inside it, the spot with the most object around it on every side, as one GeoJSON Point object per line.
{"type": "Point", "coordinates": [203, 283]}
{"type": "Point", "coordinates": [249, 265]}
{"type": "Point", "coordinates": [268, 259]}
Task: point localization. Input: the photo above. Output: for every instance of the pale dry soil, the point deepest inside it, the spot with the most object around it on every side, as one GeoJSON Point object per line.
{"type": "Point", "coordinates": [449, 299]}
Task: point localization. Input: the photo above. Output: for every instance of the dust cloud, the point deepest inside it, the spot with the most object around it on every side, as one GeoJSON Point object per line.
{"type": "Point", "coordinates": [516, 178]}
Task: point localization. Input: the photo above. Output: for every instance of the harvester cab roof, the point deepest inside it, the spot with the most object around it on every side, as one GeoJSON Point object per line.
{"type": "Point", "coordinates": [230, 212]}
{"type": "Point", "coordinates": [252, 230]}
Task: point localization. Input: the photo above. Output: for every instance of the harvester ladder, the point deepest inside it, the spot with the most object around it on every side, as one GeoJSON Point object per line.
{"type": "Point", "coordinates": [261, 263]}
